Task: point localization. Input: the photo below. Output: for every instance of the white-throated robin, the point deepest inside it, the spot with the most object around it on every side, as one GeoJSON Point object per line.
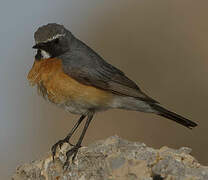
{"type": "Point", "coordinates": [71, 75]}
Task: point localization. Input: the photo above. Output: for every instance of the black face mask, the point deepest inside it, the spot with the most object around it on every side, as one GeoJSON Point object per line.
{"type": "Point", "coordinates": [54, 48]}
{"type": "Point", "coordinates": [38, 56]}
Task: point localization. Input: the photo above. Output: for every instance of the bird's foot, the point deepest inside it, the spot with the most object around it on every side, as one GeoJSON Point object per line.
{"type": "Point", "coordinates": [72, 152]}
{"type": "Point", "coordinates": [59, 143]}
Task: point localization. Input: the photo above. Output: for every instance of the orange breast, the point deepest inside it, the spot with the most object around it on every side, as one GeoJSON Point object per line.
{"type": "Point", "coordinates": [60, 88]}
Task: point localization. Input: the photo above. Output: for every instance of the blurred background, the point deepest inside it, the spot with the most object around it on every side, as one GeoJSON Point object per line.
{"type": "Point", "coordinates": [162, 45]}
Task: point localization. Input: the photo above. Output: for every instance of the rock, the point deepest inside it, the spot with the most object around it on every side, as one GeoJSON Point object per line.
{"type": "Point", "coordinates": [116, 159]}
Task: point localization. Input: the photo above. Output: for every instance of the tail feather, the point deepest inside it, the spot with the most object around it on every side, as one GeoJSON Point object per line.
{"type": "Point", "coordinates": [173, 116]}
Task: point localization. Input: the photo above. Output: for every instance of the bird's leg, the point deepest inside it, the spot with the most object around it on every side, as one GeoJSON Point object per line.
{"type": "Point", "coordinates": [73, 151]}
{"type": "Point", "coordinates": [66, 139]}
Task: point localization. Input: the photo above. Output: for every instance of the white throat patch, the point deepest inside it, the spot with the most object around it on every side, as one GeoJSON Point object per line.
{"type": "Point", "coordinates": [45, 55]}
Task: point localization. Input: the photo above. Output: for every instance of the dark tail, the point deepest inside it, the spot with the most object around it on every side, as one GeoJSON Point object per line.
{"type": "Point", "coordinates": [173, 116]}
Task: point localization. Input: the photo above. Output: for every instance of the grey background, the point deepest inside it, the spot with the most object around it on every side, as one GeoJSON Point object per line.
{"type": "Point", "coordinates": [162, 45]}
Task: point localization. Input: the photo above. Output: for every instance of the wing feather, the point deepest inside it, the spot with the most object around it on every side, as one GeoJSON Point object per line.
{"type": "Point", "coordinates": [87, 67]}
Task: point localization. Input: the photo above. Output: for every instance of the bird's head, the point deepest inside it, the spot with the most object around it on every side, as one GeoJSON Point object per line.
{"type": "Point", "coordinates": [51, 40]}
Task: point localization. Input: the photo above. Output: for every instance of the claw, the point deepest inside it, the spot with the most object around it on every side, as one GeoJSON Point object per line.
{"type": "Point", "coordinates": [53, 150]}
{"type": "Point", "coordinates": [75, 154]}
{"type": "Point", "coordinates": [60, 144]}
{"type": "Point", "coordinates": [66, 165]}
{"type": "Point", "coordinates": [73, 151]}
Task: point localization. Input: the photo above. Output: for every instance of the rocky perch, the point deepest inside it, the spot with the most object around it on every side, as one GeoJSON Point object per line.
{"type": "Point", "coordinates": [116, 159]}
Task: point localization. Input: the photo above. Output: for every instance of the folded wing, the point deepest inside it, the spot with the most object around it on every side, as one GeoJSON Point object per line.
{"type": "Point", "coordinates": [87, 67]}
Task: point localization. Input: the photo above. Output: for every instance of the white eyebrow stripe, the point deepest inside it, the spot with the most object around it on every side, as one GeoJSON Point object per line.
{"type": "Point", "coordinates": [52, 38]}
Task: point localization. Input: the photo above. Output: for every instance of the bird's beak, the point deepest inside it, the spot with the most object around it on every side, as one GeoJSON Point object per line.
{"type": "Point", "coordinates": [39, 46]}
{"type": "Point", "coordinates": [35, 46]}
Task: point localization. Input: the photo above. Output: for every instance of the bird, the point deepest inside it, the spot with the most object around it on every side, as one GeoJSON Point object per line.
{"type": "Point", "coordinates": [71, 75]}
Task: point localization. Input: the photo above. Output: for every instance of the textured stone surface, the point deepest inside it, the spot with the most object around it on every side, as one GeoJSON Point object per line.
{"type": "Point", "coordinates": [117, 159]}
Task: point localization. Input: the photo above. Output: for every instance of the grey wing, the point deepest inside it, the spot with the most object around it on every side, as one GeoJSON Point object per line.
{"type": "Point", "coordinates": [87, 67]}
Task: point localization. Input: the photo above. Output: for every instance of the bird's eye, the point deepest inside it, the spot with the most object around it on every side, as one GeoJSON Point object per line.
{"type": "Point", "coordinates": [56, 41]}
